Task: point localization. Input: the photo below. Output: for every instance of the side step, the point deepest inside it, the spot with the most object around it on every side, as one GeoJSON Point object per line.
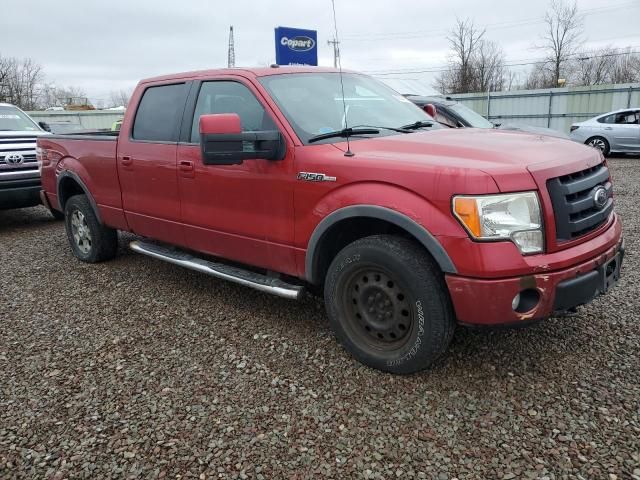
{"type": "Point", "coordinates": [247, 278]}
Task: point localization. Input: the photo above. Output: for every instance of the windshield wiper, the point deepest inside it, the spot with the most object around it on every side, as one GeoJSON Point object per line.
{"type": "Point", "coordinates": [393, 129]}
{"type": "Point", "coordinates": [417, 125]}
{"type": "Point", "coordinates": [345, 132]}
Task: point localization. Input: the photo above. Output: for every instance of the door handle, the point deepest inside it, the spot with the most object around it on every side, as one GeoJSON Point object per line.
{"type": "Point", "coordinates": [185, 166]}
{"type": "Point", "coordinates": [126, 160]}
{"type": "Point", "coordinates": [608, 128]}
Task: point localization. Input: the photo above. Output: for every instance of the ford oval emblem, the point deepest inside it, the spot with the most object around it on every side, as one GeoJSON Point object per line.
{"type": "Point", "coordinates": [600, 197]}
{"type": "Point", "coordinates": [298, 44]}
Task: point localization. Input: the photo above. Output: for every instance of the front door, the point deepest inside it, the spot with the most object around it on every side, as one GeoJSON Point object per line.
{"type": "Point", "coordinates": [239, 212]}
{"type": "Point", "coordinates": [147, 164]}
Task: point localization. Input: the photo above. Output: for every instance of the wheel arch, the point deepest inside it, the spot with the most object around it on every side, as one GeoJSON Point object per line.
{"type": "Point", "coordinates": [69, 184]}
{"type": "Point", "coordinates": [326, 240]}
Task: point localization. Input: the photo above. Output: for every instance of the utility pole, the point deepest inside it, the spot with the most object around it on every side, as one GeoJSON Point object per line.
{"type": "Point", "coordinates": [231, 57]}
{"type": "Point", "coordinates": [336, 51]}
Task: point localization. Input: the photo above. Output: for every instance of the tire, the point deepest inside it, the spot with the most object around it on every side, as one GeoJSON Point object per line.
{"type": "Point", "coordinates": [90, 241]}
{"type": "Point", "coordinates": [600, 143]}
{"type": "Point", "coordinates": [388, 304]}
{"type": "Point", "coordinates": [57, 215]}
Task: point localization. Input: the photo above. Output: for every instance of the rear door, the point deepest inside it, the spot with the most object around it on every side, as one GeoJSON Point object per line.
{"type": "Point", "coordinates": [626, 130]}
{"type": "Point", "coordinates": [239, 212]}
{"type": "Point", "coordinates": [147, 163]}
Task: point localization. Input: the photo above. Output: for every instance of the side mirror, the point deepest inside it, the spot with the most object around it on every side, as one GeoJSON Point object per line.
{"type": "Point", "coordinates": [431, 110]}
{"type": "Point", "coordinates": [45, 126]}
{"type": "Point", "coordinates": [222, 141]}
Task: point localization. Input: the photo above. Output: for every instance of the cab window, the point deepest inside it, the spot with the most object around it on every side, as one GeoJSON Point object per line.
{"type": "Point", "coordinates": [230, 97]}
{"type": "Point", "coordinates": [158, 115]}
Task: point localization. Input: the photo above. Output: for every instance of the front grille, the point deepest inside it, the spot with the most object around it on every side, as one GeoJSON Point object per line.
{"type": "Point", "coordinates": [23, 145]}
{"type": "Point", "coordinates": [574, 203]}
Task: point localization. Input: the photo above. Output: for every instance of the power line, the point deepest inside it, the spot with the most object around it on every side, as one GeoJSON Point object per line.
{"type": "Point", "coordinates": [441, 69]}
{"type": "Point", "coordinates": [363, 37]}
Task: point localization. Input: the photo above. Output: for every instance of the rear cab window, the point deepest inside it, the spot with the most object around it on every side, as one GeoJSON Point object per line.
{"type": "Point", "coordinates": [159, 113]}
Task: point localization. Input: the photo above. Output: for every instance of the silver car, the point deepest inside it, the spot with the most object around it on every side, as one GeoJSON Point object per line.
{"type": "Point", "coordinates": [613, 132]}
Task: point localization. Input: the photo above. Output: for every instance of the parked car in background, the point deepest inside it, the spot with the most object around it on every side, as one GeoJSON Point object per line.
{"type": "Point", "coordinates": [19, 173]}
{"type": "Point", "coordinates": [613, 132]}
{"type": "Point", "coordinates": [456, 115]}
{"type": "Point", "coordinates": [254, 176]}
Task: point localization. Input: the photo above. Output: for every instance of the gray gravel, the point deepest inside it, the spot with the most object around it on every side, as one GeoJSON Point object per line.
{"type": "Point", "coordinates": [136, 368]}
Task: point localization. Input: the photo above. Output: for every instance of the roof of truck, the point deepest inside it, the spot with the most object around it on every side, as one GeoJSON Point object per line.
{"type": "Point", "coordinates": [246, 72]}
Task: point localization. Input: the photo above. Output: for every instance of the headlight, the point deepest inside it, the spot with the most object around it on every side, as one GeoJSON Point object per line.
{"type": "Point", "coordinates": [514, 216]}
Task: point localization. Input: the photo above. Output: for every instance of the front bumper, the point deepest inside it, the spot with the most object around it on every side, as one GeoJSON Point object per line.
{"type": "Point", "coordinates": [20, 193]}
{"type": "Point", "coordinates": [489, 302]}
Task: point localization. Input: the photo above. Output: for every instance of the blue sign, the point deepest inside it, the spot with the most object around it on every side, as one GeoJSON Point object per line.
{"type": "Point", "coordinates": [295, 46]}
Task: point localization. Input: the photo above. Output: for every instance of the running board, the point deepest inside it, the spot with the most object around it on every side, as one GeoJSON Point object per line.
{"type": "Point", "coordinates": [247, 278]}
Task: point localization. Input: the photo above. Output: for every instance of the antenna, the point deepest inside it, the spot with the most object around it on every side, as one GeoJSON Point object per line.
{"type": "Point", "coordinates": [231, 56]}
{"type": "Point", "coordinates": [336, 47]}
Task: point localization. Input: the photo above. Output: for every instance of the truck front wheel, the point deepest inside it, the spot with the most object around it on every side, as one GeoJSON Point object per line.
{"type": "Point", "coordinates": [90, 241]}
{"type": "Point", "coordinates": [388, 304]}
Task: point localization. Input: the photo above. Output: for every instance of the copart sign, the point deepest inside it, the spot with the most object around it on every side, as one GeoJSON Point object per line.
{"type": "Point", "coordinates": [295, 46]}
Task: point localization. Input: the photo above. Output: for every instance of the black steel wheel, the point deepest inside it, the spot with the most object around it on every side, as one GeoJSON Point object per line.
{"type": "Point", "coordinates": [388, 304]}
{"type": "Point", "coordinates": [377, 309]}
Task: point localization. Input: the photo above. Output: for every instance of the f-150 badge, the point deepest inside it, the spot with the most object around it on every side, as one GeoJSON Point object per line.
{"type": "Point", "coordinates": [315, 177]}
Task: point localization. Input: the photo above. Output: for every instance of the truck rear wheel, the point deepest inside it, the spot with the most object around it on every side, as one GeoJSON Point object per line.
{"type": "Point", "coordinates": [90, 241]}
{"type": "Point", "coordinates": [388, 304]}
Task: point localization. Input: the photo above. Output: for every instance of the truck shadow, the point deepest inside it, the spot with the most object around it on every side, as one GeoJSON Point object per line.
{"type": "Point", "coordinates": [25, 218]}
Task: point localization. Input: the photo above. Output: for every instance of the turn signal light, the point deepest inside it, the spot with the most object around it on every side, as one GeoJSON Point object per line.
{"type": "Point", "coordinates": [467, 211]}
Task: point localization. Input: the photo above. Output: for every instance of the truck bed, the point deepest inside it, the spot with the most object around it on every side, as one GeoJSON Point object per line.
{"type": "Point", "coordinates": [91, 156]}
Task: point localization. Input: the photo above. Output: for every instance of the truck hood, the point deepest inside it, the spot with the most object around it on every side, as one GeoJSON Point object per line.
{"type": "Point", "coordinates": [508, 156]}
{"type": "Point", "coordinates": [534, 130]}
{"type": "Point", "coordinates": [22, 133]}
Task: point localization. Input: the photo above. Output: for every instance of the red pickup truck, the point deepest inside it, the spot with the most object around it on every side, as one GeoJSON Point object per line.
{"type": "Point", "coordinates": [285, 178]}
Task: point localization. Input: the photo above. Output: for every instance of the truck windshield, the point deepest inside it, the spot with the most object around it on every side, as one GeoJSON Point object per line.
{"type": "Point", "coordinates": [474, 119]}
{"type": "Point", "coordinates": [312, 103]}
{"type": "Point", "coordinates": [12, 119]}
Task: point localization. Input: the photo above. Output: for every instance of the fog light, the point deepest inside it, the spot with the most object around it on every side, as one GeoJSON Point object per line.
{"type": "Point", "coordinates": [526, 300]}
{"type": "Point", "coordinates": [515, 302]}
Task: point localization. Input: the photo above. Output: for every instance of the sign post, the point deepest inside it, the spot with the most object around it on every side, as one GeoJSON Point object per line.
{"type": "Point", "coordinates": [295, 46]}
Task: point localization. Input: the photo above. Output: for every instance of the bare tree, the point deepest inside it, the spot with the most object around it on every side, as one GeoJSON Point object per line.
{"type": "Point", "coordinates": [562, 39]}
{"type": "Point", "coordinates": [475, 64]}
{"type": "Point", "coordinates": [119, 98]}
{"type": "Point", "coordinates": [594, 68]}
{"type": "Point", "coordinates": [20, 81]}
{"type": "Point", "coordinates": [625, 68]}
{"type": "Point", "coordinates": [5, 68]}
{"type": "Point", "coordinates": [55, 96]}
{"type": "Point", "coordinates": [487, 67]}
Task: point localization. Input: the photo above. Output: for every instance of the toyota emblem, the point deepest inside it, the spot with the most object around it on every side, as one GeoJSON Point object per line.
{"type": "Point", "coordinates": [13, 159]}
{"type": "Point", "coordinates": [600, 197]}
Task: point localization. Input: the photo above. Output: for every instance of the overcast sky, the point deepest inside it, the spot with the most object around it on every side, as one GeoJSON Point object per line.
{"type": "Point", "coordinates": [107, 45]}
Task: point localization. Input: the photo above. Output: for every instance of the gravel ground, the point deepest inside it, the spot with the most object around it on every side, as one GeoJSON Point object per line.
{"type": "Point", "coordinates": [137, 368]}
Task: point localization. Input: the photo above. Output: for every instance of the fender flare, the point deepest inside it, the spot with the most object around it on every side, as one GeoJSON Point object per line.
{"type": "Point", "coordinates": [373, 211]}
{"type": "Point", "coordinates": [69, 174]}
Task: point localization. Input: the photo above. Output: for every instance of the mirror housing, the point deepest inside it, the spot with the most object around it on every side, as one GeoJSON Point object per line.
{"type": "Point", "coordinates": [222, 141]}
{"type": "Point", "coordinates": [431, 110]}
{"type": "Point", "coordinates": [44, 126]}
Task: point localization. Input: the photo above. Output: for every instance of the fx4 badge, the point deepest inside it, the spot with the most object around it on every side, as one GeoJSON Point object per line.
{"type": "Point", "coordinates": [315, 177]}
